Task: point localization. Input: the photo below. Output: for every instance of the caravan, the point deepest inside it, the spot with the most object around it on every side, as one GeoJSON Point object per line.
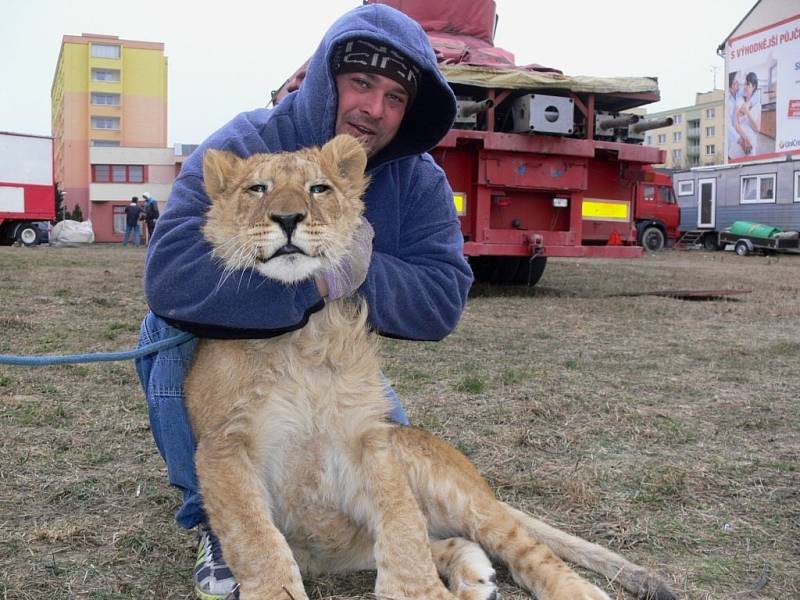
{"type": "Point", "coordinates": [715, 197]}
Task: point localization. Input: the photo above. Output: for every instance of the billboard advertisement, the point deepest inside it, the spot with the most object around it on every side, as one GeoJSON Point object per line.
{"type": "Point", "coordinates": [762, 101]}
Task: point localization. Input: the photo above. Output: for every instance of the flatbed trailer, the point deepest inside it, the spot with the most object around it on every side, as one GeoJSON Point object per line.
{"type": "Point", "coordinates": [748, 244]}
{"type": "Point", "coordinates": [541, 163]}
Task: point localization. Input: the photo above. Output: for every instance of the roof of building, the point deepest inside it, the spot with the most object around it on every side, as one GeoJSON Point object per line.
{"type": "Point", "coordinates": [721, 47]}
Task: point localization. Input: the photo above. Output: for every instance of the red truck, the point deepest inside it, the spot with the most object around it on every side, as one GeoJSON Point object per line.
{"type": "Point", "coordinates": [657, 215]}
{"type": "Point", "coordinates": [27, 190]}
{"type": "Point", "coordinates": [541, 164]}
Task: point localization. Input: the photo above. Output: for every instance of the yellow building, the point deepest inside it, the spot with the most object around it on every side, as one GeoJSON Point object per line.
{"type": "Point", "coordinates": [696, 136]}
{"type": "Point", "coordinates": [107, 92]}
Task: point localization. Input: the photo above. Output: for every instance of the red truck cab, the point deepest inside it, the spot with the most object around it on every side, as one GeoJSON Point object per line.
{"type": "Point", "coordinates": [656, 211]}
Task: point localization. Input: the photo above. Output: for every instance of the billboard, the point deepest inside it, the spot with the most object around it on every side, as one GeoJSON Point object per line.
{"type": "Point", "coordinates": [762, 101]}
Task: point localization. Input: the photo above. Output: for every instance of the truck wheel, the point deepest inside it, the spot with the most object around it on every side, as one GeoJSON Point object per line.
{"type": "Point", "coordinates": [652, 239]}
{"type": "Point", "coordinates": [742, 248]}
{"type": "Point", "coordinates": [28, 235]}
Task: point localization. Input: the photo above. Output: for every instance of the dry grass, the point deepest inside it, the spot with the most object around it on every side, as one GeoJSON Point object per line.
{"type": "Point", "coordinates": [663, 428]}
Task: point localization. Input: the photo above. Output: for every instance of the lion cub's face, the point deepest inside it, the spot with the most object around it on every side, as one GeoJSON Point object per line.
{"type": "Point", "coordinates": [287, 215]}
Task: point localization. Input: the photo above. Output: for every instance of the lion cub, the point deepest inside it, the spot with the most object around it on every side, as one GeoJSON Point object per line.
{"type": "Point", "coordinates": [299, 469]}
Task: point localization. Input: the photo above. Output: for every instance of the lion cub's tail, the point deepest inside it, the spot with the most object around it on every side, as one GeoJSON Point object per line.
{"type": "Point", "coordinates": [633, 578]}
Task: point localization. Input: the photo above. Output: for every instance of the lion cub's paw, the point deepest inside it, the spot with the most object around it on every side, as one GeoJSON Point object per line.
{"type": "Point", "coordinates": [396, 590]}
{"type": "Point", "coordinates": [474, 579]}
{"type": "Point", "coordinates": [284, 592]}
{"type": "Point", "coordinates": [578, 590]}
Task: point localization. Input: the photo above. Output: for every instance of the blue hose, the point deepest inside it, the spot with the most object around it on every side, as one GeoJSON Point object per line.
{"type": "Point", "coordinates": [43, 361]}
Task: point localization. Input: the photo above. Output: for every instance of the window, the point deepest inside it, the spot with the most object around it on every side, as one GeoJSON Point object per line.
{"type": "Point", "coordinates": [105, 143]}
{"type": "Point", "coordinates": [710, 113]}
{"type": "Point", "coordinates": [649, 192]}
{"type": "Point", "coordinates": [711, 131]}
{"type": "Point", "coordinates": [677, 119]}
{"type": "Point", "coordinates": [710, 149]}
{"type": "Point", "coordinates": [686, 188]}
{"type": "Point", "coordinates": [101, 98]}
{"type": "Point", "coordinates": [105, 75]}
{"type": "Point", "coordinates": [119, 173]}
{"type": "Point", "coordinates": [667, 195]}
{"type": "Point", "coordinates": [648, 140]}
{"type": "Point", "coordinates": [101, 173]}
{"type": "Point", "coordinates": [136, 174]}
{"type": "Point", "coordinates": [676, 155]}
{"type": "Point", "coordinates": [797, 186]}
{"type": "Point", "coordinates": [662, 138]}
{"type": "Point", "coordinates": [105, 51]}
{"type": "Point", "coordinates": [757, 188]}
{"type": "Point", "coordinates": [119, 219]}
{"type": "Point", "coordinates": [105, 123]}
{"type": "Point", "coordinates": [676, 136]}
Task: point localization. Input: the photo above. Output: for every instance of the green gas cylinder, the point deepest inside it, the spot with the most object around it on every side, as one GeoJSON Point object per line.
{"type": "Point", "coordinates": [754, 229]}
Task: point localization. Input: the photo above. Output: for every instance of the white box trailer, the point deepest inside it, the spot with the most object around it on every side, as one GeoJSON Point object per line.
{"type": "Point", "coordinates": [713, 198]}
{"type": "Point", "coordinates": [27, 190]}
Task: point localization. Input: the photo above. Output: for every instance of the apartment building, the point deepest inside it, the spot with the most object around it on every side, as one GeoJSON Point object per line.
{"type": "Point", "coordinates": [696, 136]}
{"type": "Point", "coordinates": [110, 94]}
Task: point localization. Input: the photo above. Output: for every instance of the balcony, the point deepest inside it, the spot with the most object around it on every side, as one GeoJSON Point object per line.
{"type": "Point", "coordinates": [693, 133]}
{"type": "Point", "coordinates": [693, 151]}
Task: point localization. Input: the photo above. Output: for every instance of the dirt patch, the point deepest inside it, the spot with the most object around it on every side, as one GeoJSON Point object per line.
{"type": "Point", "coordinates": [663, 428]}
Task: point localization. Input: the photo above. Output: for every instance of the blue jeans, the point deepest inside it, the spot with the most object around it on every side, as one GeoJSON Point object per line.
{"type": "Point", "coordinates": [161, 375]}
{"type": "Point", "coordinates": [135, 234]}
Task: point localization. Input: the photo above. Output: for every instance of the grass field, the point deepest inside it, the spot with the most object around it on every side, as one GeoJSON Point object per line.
{"type": "Point", "coordinates": [664, 428]}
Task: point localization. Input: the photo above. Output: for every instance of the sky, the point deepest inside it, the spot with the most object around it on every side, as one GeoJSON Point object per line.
{"type": "Point", "coordinates": [225, 57]}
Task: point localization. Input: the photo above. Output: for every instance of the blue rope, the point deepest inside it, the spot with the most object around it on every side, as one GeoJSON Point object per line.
{"type": "Point", "coordinates": [41, 361]}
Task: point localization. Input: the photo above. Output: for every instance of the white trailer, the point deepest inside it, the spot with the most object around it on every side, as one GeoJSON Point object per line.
{"type": "Point", "coordinates": [27, 190]}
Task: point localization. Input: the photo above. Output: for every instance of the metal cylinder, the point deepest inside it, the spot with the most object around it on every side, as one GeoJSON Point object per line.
{"type": "Point", "coordinates": [620, 121]}
{"type": "Point", "coordinates": [467, 108]}
{"type": "Point", "coordinates": [651, 124]}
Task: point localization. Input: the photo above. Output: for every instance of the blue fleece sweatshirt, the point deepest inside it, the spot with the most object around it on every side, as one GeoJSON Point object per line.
{"type": "Point", "coordinates": [418, 280]}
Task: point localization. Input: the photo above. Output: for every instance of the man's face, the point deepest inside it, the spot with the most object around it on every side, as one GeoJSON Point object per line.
{"type": "Point", "coordinates": [371, 108]}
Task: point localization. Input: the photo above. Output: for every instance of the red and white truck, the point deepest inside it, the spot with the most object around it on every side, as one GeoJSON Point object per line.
{"type": "Point", "coordinates": [27, 189]}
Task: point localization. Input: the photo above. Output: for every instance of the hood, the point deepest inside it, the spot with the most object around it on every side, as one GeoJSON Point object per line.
{"type": "Point", "coordinates": [428, 118]}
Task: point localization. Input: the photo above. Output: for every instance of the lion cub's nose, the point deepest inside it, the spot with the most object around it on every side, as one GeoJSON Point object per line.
{"type": "Point", "coordinates": [288, 222]}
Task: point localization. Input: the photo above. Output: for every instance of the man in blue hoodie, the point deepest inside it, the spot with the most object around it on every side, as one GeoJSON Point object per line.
{"type": "Point", "coordinates": [373, 76]}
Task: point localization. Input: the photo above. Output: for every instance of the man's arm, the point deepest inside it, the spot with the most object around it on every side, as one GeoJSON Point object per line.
{"type": "Point", "coordinates": [419, 290]}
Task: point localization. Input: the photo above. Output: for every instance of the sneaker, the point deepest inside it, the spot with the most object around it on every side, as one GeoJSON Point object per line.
{"type": "Point", "coordinates": [212, 578]}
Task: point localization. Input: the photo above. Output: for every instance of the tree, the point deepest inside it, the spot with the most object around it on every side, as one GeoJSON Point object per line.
{"type": "Point", "coordinates": [59, 200]}
{"type": "Point", "coordinates": [77, 214]}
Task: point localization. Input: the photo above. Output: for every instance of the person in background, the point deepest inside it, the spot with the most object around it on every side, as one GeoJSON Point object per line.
{"type": "Point", "coordinates": [133, 214]}
{"type": "Point", "coordinates": [151, 214]}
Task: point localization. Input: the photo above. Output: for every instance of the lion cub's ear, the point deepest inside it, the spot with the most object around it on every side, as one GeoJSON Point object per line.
{"type": "Point", "coordinates": [219, 167]}
{"type": "Point", "coordinates": [347, 156]}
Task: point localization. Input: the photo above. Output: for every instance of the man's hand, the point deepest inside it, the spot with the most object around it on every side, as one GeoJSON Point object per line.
{"type": "Point", "coordinates": [351, 273]}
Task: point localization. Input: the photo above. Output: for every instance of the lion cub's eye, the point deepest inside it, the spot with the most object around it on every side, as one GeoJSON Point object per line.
{"type": "Point", "coordinates": [258, 188]}
{"type": "Point", "coordinates": [319, 188]}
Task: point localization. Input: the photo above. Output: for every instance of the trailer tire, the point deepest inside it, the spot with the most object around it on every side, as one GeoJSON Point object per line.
{"type": "Point", "coordinates": [652, 239]}
{"type": "Point", "coordinates": [28, 234]}
{"type": "Point", "coordinates": [508, 270]}
{"type": "Point", "coordinates": [531, 270]}
{"type": "Point", "coordinates": [743, 247]}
